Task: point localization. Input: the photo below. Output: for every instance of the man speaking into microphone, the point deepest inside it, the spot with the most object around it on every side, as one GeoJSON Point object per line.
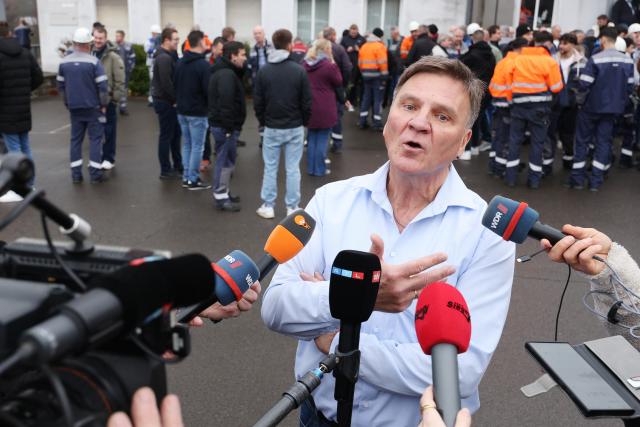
{"type": "Point", "coordinates": [415, 213]}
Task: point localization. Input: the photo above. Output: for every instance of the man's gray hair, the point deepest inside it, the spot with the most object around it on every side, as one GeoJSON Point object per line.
{"type": "Point", "coordinates": [328, 32]}
{"type": "Point", "coordinates": [474, 87]}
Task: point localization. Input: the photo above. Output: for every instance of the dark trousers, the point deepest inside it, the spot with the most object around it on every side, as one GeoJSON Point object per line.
{"type": "Point", "coordinates": [336, 132]}
{"type": "Point", "coordinates": [86, 121]}
{"type": "Point", "coordinates": [355, 89]}
{"type": "Point", "coordinates": [110, 130]}
{"type": "Point", "coordinates": [500, 141]}
{"type": "Point", "coordinates": [535, 117]}
{"type": "Point", "coordinates": [206, 155]}
{"type": "Point", "coordinates": [226, 153]}
{"type": "Point", "coordinates": [169, 138]}
{"type": "Point", "coordinates": [590, 124]}
{"type": "Point", "coordinates": [310, 417]}
{"type": "Point", "coordinates": [371, 98]}
{"type": "Point", "coordinates": [476, 130]}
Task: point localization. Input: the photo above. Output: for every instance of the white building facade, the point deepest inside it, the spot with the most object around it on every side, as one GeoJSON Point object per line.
{"type": "Point", "coordinates": [305, 18]}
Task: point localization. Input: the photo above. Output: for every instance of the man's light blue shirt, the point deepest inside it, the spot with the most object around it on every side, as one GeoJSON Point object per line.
{"type": "Point", "coordinates": [393, 370]}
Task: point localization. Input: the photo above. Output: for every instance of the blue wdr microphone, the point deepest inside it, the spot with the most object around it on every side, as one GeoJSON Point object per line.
{"type": "Point", "coordinates": [514, 221]}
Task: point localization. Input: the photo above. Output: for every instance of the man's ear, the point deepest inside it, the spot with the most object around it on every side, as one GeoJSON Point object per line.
{"type": "Point", "coordinates": [464, 141]}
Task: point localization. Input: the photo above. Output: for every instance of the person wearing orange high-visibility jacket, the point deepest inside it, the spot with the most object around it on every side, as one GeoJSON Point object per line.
{"type": "Point", "coordinates": [407, 42]}
{"type": "Point", "coordinates": [374, 68]}
{"type": "Point", "coordinates": [536, 76]}
{"type": "Point", "coordinates": [500, 89]}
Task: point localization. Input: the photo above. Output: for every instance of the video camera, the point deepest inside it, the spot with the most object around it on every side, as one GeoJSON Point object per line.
{"type": "Point", "coordinates": [37, 279]}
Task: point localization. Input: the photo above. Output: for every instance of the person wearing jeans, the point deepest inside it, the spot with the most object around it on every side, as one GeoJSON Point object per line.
{"type": "Point", "coordinates": [282, 102]}
{"type": "Point", "coordinates": [193, 131]}
{"type": "Point", "coordinates": [325, 80]}
{"type": "Point", "coordinates": [191, 80]}
{"type": "Point", "coordinates": [291, 141]}
{"type": "Point", "coordinates": [164, 103]}
{"type": "Point", "coordinates": [19, 74]}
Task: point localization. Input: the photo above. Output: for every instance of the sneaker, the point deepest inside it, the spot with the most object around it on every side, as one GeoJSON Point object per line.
{"type": "Point", "coordinates": [484, 146]}
{"type": "Point", "coordinates": [234, 198]}
{"type": "Point", "coordinates": [241, 143]}
{"type": "Point", "coordinates": [10, 197]}
{"type": "Point", "coordinates": [475, 151]}
{"type": "Point", "coordinates": [170, 175]}
{"type": "Point", "coordinates": [107, 165]}
{"type": "Point", "coordinates": [124, 112]}
{"type": "Point", "coordinates": [292, 210]}
{"type": "Point", "coordinates": [465, 156]}
{"type": "Point", "coordinates": [99, 180]}
{"type": "Point", "coordinates": [351, 109]}
{"type": "Point", "coordinates": [327, 161]}
{"type": "Point", "coordinates": [185, 184]}
{"type": "Point", "coordinates": [266, 211]}
{"type": "Point", "coordinates": [227, 205]}
{"type": "Point", "coordinates": [197, 185]}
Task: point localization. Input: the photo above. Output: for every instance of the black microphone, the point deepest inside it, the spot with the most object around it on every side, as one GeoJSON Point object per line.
{"type": "Point", "coordinates": [514, 221]}
{"type": "Point", "coordinates": [353, 289]}
{"type": "Point", "coordinates": [16, 169]}
{"type": "Point", "coordinates": [118, 303]}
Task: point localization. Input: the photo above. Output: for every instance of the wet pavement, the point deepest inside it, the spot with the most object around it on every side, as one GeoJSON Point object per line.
{"type": "Point", "coordinates": [238, 368]}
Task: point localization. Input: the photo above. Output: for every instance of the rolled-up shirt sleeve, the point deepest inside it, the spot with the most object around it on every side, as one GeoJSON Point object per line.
{"type": "Point", "coordinates": [293, 306]}
{"type": "Point", "coordinates": [486, 286]}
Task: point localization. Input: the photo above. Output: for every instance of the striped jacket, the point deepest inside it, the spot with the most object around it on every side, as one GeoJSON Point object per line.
{"type": "Point", "coordinates": [536, 75]}
{"type": "Point", "coordinates": [607, 81]}
{"type": "Point", "coordinates": [82, 81]}
{"type": "Point", "coordinates": [372, 59]}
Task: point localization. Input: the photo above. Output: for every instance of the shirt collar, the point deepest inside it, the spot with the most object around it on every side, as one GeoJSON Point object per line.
{"type": "Point", "coordinates": [452, 193]}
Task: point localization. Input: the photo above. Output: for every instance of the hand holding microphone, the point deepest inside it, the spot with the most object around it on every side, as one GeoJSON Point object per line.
{"type": "Point", "coordinates": [443, 328]}
{"type": "Point", "coordinates": [579, 248]}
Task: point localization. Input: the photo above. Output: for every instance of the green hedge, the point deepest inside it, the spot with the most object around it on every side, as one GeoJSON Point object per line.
{"type": "Point", "coordinates": [139, 79]}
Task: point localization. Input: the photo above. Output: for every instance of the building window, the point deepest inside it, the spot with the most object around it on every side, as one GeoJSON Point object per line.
{"type": "Point", "coordinates": [542, 10]}
{"type": "Point", "coordinates": [313, 16]}
{"type": "Point", "coordinates": [383, 14]}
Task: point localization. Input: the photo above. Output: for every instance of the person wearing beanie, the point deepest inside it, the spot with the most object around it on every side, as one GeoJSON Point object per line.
{"type": "Point", "coordinates": [524, 31]}
{"type": "Point", "coordinates": [374, 68]}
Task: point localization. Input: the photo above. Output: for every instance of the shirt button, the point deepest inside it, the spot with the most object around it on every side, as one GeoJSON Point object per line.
{"type": "Point", "coordinates": [393, 253]}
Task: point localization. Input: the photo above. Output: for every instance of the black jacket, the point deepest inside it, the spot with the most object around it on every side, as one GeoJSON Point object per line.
{"type": "Point", "coordinates": [347, 42]}
{"type": "Point", "coordinates": [227, 108]}
{"type": "Point", "coordinates": [191, 80]}
{"type": "Point", "coordinates": [480, 60]}
{"type": "Point", "coordinates": [19, 75]}
{"type": "Point", "coordinates": [423, 46]}
{"type": "Point", "coordinates": [621, 13]}
{"type": "Point", "coordinates": [281, 93]}
{"type": "Point", "coordinates": [164, 65]}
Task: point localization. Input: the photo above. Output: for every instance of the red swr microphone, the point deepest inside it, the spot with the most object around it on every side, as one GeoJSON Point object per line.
{"type": "Point", "coordinates": [443, 327]}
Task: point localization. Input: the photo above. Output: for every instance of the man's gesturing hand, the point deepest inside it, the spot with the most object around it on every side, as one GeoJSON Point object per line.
{"type": "Point", "coordinates": [401, 282]}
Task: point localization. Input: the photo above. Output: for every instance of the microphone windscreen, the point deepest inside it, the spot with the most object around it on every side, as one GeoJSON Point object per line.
{"type": "Point", "coordinates": [353, 286]}
{"type": "Point", "coordinates": [442, 316]}
{"type": "Point", "coordinates": [143, 287]}
{"type": "Point", "coordinates": [235, 273]}
{"type": "Point", "coordinates": [509, 219]}
{"type": "Point", "coordinates": [290, 236]}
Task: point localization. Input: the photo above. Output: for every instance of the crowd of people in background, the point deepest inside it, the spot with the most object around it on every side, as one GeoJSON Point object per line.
{"type": "Point", "coordinates": [570, 91]}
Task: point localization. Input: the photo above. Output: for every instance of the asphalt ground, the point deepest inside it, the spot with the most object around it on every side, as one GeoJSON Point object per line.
{"type": "Point", "coordinates": [238, 368]}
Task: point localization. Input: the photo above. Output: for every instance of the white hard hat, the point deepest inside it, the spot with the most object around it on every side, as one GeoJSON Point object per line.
{"type": "Point", "coordinates": [473, 27]}
{"type": "Point", "coordinates": [634, 28]}
{"type": "Point", "coordinates": [82, 35]}
{"type": "Point", "coordinates": [621, 45]}
{"type": "Point", "coordinates": [413, 26]}
{"type": "Point", "coordinates": [155, 28]}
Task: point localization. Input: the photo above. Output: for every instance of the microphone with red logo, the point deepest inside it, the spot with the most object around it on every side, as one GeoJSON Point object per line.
{"type": "Point", "coordinates": [514, 221]}
{"type": "Point", "coordinates": [443, 327]}
{"type": "Point", "coordinates": [286, 240]}
{"type": "Point", "coordinates": [353, 289]}
{"type": "Point", "coordinates": [233, 275]}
